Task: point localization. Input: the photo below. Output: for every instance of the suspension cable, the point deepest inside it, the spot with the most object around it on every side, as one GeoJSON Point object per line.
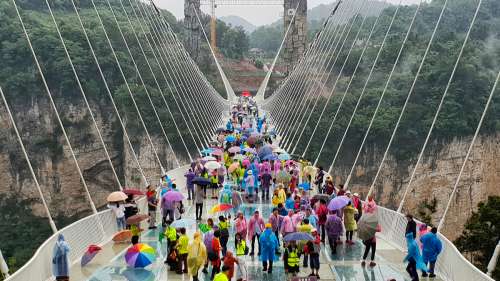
{"type": "Point", "coordinates": [49, 94]}
{"type": "Point", "coordinates": [140, 75]}
{"type": "Point", "coordinates": [108, 91]}
{"type": "Point", "coordinates": [348, 87]}
{"type": "Point", "coordinates": [452, 76]}
{"type": "Point", "coordinates": [28, 161]}
{"type": "Point", "coordinates": [80, 87]}
{"type": "Point", "coordinates": [110, 44]}
{"type": "Point", "coordinates": [322, 88]}
{"type": "Point", "coordinates": [334, 87]}
{"type": "Point", "coordinates": [389, 79]}
{"type": "Point", "coordinates": [469, 150]}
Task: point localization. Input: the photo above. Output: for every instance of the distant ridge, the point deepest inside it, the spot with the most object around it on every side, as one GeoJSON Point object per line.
{"type": "Point", "coordinates": [239, 21]}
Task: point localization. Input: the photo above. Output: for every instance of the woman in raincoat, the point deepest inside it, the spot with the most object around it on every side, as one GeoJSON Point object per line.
{"type": "Point", "coordinates": [413, 258]}
{"type": "Point", "coordinates": [241, 224]}
{"type": "Point", "coordinates": [269, 245]}
{"type": "Point", "coordinates": [197, 255]}
{"type": "Point", "coordinates": [250, 185]}
{"type": "Point", "coordinates": [349, 222]}
{"type": "Point", "coordinates": [60, 262]}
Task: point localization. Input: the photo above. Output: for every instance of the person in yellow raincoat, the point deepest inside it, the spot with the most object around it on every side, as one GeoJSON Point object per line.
{"type": "Point", "coordinates": [349, 222]}
{"type": "Point", "coordinates": [197, 254]}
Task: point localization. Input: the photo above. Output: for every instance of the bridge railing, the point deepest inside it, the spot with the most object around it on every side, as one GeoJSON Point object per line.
{"type": "Point", "coordinates": [79, 235]}
{"type": "Point", "coordinates": [451, 264]}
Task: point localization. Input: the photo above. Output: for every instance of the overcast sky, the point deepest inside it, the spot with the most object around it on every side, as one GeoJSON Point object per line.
{"type": "Point", "coordinates": [257, 15]}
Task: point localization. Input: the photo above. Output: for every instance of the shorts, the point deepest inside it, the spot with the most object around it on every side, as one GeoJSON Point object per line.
{"type": "Point", "coordinates": [314, 261]}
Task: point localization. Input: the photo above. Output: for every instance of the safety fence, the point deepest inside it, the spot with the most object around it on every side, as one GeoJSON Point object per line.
{"type": "Point", "coordinates": [451, 264]}
{"type": "Point", "coordinates": [95, 229]}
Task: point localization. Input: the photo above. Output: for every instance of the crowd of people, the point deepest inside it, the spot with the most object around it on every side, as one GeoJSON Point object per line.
{"type": "Point", "coordinates": [240, 165]}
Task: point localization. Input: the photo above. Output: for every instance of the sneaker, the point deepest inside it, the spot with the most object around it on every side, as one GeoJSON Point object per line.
{"type": "Point", "coordinates": [432, 275]}
{"type": "Point", "coordinates": [252, 253]}
{"type": "Point", "coordinates": [311, 275]}
{"type": "Point", "coordinates": [372, 264]}
{"type": "Point", "coordinates": [424, 274]}
{"type": "Point", "coordinates": [264, 269]}
{"type": "Point", "coordinates": [317, 276]}
{"type": "Point", "coordinates": [363, 263]}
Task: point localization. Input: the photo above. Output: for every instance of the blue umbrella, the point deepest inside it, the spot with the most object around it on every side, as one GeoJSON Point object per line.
{"type": "Point", "coordinates": [284, 157]}
{"type": "Point", "coordinates": [265, 150]}
{"type": "Point", "coordinates": [183, 223]}
{"type": "Point", "coordinates": [269, 157]}
{"type": "Point", "coordinates": [305, 185]}
{"type": "Point", "coordinates": [201, 181]}
{"type": "Point", "coordinates": [298, 236]}
{"type": "Point", "coordinates": [206, 151]}
{"type": "Point", "coordinates": [230, 138]}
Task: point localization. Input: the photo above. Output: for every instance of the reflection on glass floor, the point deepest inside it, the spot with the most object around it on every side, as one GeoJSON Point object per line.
{"type": "Point", "coordinates": [377, 273]}
{"type": "Point", "coordinates": [345, 265]}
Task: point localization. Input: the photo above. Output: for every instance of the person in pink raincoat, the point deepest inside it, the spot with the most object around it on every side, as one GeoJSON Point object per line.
{"type": "Point", "coordinates": [277, 167]}
{"type": "Point", "coordinates": [241, 224]}
{"type": "Point", "coordinates": [287, 225]}
{"type": "Point", "coordinates": [256, 226]}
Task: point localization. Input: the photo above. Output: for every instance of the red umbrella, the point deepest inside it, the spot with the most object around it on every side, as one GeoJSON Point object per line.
{"type": "Point", "coordinates": [132, 191]}
{"type": "Point", "coordinates": [246, 94]}
{"type": "Point", "coordinates": [135, 219]}
{"type": "Point", "coordinates": [92, 250]}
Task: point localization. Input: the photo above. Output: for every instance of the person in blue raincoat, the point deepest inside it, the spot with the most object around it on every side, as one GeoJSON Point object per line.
{"type": "Point", "coordinates": [268, 247]}
{"type": "Point", "coordinates": [225, 195]}
{"type": "Point", "coordinates": [413, 258]}
{"type": "Point", "coordinates": [431, 247]}
{"type": "Point", "coordinates": [229, 126]}
{"type": "Point", "coordinates": [60, 261]}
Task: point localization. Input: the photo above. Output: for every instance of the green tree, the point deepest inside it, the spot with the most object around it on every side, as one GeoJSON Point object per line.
{"type": "Point", "coordinates": [481, 234]}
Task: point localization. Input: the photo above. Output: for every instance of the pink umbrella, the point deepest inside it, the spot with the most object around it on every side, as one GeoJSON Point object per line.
{"type": "Point", "coordinates": [217, 152]}
{"type": "Point", "coordinates": [173, 196]}
{"type": "Point", "coordinates": [245, 163]}
{"type": "Point", "coordinates": [234, 149]}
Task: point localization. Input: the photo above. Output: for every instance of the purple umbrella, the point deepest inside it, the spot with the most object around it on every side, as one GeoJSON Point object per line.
{"type": "Point", "coordinates": [338, 203]}
{"type": "Point", "coordinates": [173, 196]}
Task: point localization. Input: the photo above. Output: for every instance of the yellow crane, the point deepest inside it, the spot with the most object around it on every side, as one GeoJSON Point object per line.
{"type": "Point", "coordinates": [213, 20]}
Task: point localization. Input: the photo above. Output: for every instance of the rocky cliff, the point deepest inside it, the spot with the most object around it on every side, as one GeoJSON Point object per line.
{"type": "Point", "coordinates": [52, 160]}
{"type": "Point", "coordinates": [434, 180]}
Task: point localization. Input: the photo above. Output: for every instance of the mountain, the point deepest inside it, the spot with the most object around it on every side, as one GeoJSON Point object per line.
{"type": "Point", "coordinates": [239, 21]}
{"type": "Point", "coordinates": [320, 12]}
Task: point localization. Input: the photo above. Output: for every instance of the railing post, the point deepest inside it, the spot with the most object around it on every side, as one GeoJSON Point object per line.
{"type": "Point", "coordinates": [493, 262]}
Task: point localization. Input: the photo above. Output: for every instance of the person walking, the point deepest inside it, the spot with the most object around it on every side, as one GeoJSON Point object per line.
{"type": "Point", "coordinates": [275, 220]}
{"type": "Point", "coordinates": [334, 229]}
{"type": "Point", "coordinates": [313, 249]}
{"type": "Point", "coordinates": [255, 229]}
{"type": "Point", "coordinates": [119, 211]}
{"type": "Point", "coordinates": [413, 258]}
{"type": "Point", "coordinates": [269, 245]}
{"type": "Point", "coordinates": [60, 260]}
{"type": "Point", "coordinates": [291, 259]}
{"type": "Point", "coordinates": [199, 197]}
{"type": "Point", "coordinates": [431, 248]}
{"type": "Point", "coordinates": [214, 254]}
{"type": "Point", "coordinates": [349, 222]}
{"type": "Point", "coordinates": [224, 233]}
{"type": "Point", "coordinates": [182, 250]}
{"type": "Point", "coordinates": [319, 179]}
{"type": "Point", "coordinates": [411, 226]}
{"type": "Point", "coordinates": [190, 175]}
{"type": "Point", "coordinates": [322, 213]}
{"type": "Point", "coordinates": [358, 205]}
{"type": "Point", "coordinates": [241, 224]}
{"type": "Point", "coordinates": [266, 184]}
{"type": "Point", "coordinates": [197, 254]}
{"type": "Point", "coordinates": [152, 204]}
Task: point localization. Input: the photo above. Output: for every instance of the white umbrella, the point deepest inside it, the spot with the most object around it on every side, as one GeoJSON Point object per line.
{"type": "Point", "coordinates": [212, 165]}
{"type": "Point", "coordinates": [279, 151]}
{"type": "Point", "coordinates": [209, 158]}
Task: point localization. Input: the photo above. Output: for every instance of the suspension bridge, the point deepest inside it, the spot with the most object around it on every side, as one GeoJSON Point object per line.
{"type": "Point", "coordinates": [334, 74]}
